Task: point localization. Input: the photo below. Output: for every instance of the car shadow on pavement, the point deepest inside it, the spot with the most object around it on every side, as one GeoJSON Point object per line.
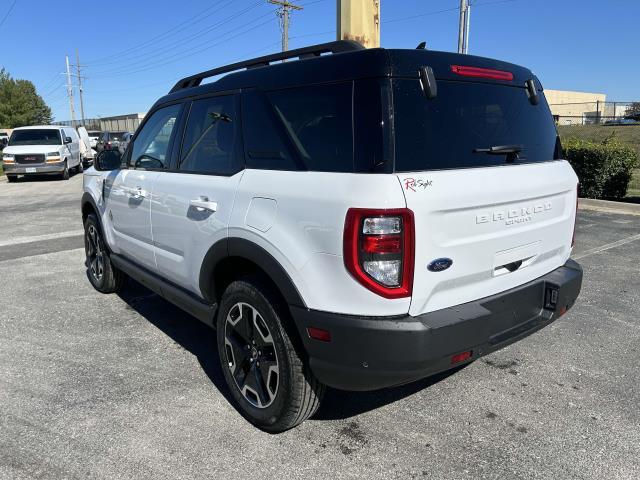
{"type": "Point", "coordinates": [200, 340]}
{"type": "Point", "coordinates": [188, 332]}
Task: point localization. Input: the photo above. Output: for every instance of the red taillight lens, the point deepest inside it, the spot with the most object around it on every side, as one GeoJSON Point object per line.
{"type": "Point", "coordinates": [482, 72]}
{"type": "Point", "coordinates": [575, 218]}
{"type": "Point", "coordinates": [382, 243]}
{"type": "Point", "coordinates": [379, 249]}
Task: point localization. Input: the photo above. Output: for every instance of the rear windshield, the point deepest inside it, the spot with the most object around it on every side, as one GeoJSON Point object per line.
{"type": "Point", "coordinates": [35, 137]}
{"type": "Point", "coordinates": [446, 132]}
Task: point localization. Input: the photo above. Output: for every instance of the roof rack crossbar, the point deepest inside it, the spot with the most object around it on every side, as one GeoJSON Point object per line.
{"type": "Point", "coordinates": [301, 53]}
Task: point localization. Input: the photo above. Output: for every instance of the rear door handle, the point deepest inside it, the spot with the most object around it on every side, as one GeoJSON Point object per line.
{"type": "Point", "coordinates": [201, 204]}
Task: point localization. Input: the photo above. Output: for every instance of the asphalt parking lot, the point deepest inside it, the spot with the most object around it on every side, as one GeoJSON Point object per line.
{"type": "Point", "coordinates": [96, 386]}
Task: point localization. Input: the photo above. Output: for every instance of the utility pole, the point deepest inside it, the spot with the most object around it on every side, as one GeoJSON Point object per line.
{"type": "Point", "coordinates": [283, 13]}
{"type": "Point", "coordinates": [359, 20]}
{"type": "Point", "coordinates": [467, 16]}
{"type": "Point", "coordinates": [463, 27]}
{"type": "Point", "coordinates": [70, 94]}
{"type": "Point", "coordinates": [80, 88]}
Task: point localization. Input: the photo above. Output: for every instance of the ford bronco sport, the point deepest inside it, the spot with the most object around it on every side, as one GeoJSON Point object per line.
{"type": "Point", "coordinates": [356, 218]}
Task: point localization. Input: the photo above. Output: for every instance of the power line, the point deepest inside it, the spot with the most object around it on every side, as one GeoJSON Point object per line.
{"type": "Point", "coordinates": [198, 16]}
{"type": "Point", "coordinates": [162, 52]}
{"type": "Point", "coordinates": [8, 12]}
{"type": "Point", "coordinates": [179, 56]}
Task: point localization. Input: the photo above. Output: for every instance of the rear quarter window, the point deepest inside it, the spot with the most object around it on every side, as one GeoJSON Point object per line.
{"type": "Point", "coordinates": [443, 133]}
{"type": "Point", "coordinates": [318, 120]}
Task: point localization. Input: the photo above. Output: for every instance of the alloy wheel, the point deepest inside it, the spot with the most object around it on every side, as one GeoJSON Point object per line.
{"type": "Point", "coordinates": [95, 255]}
{"type": "Point", "coordinates": [251, 355]}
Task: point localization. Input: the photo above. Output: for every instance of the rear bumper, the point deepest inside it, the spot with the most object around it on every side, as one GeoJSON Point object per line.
{"type": "Point", "coordinates": [370, 353]}
{"type": "Point", "coordinates": [40, 169]}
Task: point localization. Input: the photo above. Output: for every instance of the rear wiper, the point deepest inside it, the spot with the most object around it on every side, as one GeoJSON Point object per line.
{"type": "Point", "coordinates": [511, 151]}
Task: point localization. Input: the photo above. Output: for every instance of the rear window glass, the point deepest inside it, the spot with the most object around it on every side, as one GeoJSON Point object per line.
{"type": "Point", "coordinates": [209, 144]}
{"type": "Point", "coordinates": [318, 120]}
{"type": "Point", "coordinates": [35, 137]}
{"type": "Point", "coordinates": [116, 136]}
{"type": "Point", "coordinates": [443, 132]}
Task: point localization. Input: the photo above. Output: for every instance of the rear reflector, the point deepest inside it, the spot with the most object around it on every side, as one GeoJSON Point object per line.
{"type": "Point", "coordinates": [461, 357]}
{"type": "Point", "coordinates": [319, 334]}
{"type": "Point", "coordinates": [482, 72]}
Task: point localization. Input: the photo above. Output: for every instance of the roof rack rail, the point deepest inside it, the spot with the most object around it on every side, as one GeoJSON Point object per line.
{"type": "Point", "coordinates": [338, 46]}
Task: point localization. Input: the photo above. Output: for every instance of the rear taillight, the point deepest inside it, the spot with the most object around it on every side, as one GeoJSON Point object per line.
{"type": "Point", "coordinates": [379, 249]}
{"type": "Point", "coordinates": [478, 72]}
{"type": "Point", "coordinates": [575, 218]}
{"type": "Point", "coordinates": [107, 146]}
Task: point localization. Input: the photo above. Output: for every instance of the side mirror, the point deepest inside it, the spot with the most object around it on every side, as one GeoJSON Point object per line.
{"type": "Point", "coordinates": [67, 140]}
{"type": "Point", "coordinates": [108, 160]}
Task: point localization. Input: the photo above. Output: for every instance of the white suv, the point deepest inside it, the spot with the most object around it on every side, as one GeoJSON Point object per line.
{"type": "Point", "coordinates": [357, 218]}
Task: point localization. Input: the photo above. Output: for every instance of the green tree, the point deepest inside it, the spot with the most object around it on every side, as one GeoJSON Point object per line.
{"type": "Point", "coordinates": [633, 111]}
{"type": "Point", "coordinates": [20, 104]}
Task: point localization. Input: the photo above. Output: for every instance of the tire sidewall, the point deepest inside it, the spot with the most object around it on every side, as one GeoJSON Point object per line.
{"type": "Point", "coordinates": [92, 221]}
{"type": "Point", "coordinates": [245, 292]}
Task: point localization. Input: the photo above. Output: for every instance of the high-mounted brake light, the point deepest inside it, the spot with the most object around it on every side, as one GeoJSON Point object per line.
{"type": "Point", "coordinates": [379, 249]}
{"type": "Point", "coordinates": [478, 72]}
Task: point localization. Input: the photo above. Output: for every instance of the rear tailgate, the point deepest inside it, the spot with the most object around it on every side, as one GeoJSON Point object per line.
{"type": "Point", "coordinates": [480, 167]}
{"type": "Point", "coordinates": [486, 220]}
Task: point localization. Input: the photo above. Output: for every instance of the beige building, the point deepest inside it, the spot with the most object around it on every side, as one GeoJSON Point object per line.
{"type": "Point", "coordinates": [576, 108]}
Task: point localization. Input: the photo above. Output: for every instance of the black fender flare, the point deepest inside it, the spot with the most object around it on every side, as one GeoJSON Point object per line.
{"type": "Point", "coordinates": [88, 199]}
{"type": "Point", "coordinates": [246, 249]}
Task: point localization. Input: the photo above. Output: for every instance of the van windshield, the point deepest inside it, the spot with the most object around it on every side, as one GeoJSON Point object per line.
{"type": "Point", "coordinates": [470, 125]}
{"type": "Point", "coordinates": [35, 137]}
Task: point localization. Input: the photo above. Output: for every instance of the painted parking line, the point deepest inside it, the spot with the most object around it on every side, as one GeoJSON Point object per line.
{"type": "Point", "coordinates": [39, 238]}
{"type": "Point", "coordinates": [607, 246]}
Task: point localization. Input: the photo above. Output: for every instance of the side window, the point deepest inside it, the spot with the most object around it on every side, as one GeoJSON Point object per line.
{"type": "Point", "coordinates": [318, 119]}
{"type": "Point", "coordinates": [152, 144]}
{"type": "Point", "coordinates": [209, 144]}
{"type": "Point", "coordinates": [265, 145]}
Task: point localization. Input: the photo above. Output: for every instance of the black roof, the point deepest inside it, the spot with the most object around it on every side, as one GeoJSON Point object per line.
{"type": "Point", "coordinates": [335, 62]}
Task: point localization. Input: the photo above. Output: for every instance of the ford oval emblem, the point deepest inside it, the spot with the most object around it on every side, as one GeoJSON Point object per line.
{"type": "Point", "coordinates": [439, 264]}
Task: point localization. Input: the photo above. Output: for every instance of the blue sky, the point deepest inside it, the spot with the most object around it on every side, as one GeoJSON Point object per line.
{"type": "Point", "coordinates": [134, 51]}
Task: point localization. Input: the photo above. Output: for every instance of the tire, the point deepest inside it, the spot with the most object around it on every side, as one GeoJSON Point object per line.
{"type": "Point", "coordinates": [102, 274]}
{"type": "Point", "coordinates": [12, 178]}
{"type": "Point", "coordinates": [274, 402]}
{"type": "Point", "coordinates": [80, 167]}
{"type": "Point", "coordinates": [65, 173]}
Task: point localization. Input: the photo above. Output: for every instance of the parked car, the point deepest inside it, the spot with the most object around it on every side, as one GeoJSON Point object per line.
{"type": "Point", "coordinates": [45, 149]}
{"type": "Point", "coordinates": [94, 135]}
{"type": "Point", "coordinates": [124, 142]}
{"type": "Point", "coordinates": [4, 139]}
{"type": "Point", "coordinates": [357, 218]}
{"type": "Point", "coordinates": [109, 140]}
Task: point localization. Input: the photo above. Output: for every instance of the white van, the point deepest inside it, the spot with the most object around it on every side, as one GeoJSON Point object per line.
{"type": "Point", "coordinates": [45, 149]}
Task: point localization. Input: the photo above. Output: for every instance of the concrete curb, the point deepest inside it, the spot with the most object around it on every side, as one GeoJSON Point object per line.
{"type": "Point", "coordinates": [609, 206]}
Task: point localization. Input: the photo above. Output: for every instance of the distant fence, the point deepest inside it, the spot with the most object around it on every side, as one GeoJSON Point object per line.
{"type": "Point", "coordinates": [89, 123]}
{"type": "Point", "coordinates": [123, 123]}
{"type": "Point", "coordinates": [596, 113]}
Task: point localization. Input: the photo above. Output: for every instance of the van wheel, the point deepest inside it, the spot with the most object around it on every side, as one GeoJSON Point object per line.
{"type": "Point", "coordinates": [80, 167]}
{"type": "Point", "coordinates": [65, 172]}
{"type": "Point", "coordinates": [102, 274]}
{"type": "Point", "coordinates": [269, 380]}
{"type": "Point", "coordinates": [12, 178]}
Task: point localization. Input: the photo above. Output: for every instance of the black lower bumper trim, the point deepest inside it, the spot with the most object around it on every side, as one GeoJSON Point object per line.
{"type": "Point", "coordinates": [371, 353]}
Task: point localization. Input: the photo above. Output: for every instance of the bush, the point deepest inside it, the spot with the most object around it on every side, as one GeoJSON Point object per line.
{"type": "Point", "coordinates": [604, 169]}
